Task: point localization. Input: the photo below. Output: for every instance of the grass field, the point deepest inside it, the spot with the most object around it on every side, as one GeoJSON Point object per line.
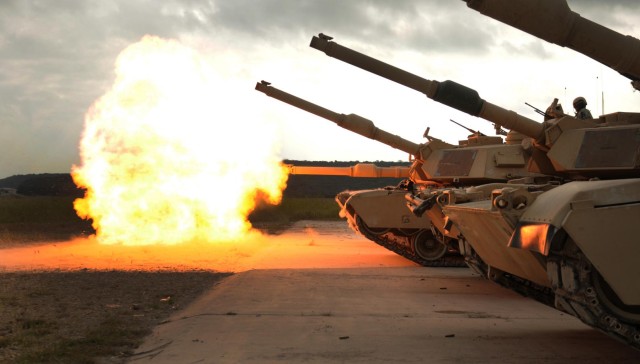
{"type": "Point", "coordinates": [58, 211]}
{"type": "Point", "coordinates": [37, 209]}
{"type": "Point", "coordinates": [98, 316]}
{"type": "Point", "coordinates": [26, 220]}
{"type": "Point", "coordinates": [39, 218]}
{"type": "Point", "coordinates": [294, 209]}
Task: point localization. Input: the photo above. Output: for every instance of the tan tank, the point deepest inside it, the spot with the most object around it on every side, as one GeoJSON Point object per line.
{"type": "Point", "coordinates": [574, 244]}
{"type": "Point", "coordinates": [396, 229]}
{"type": "Point", "coordinates": [583, 232]}
{"type": "Point", "coordinates": [430, 203]}
{"type": "Point", "coordinates": [555, 146]}
{"type": "Point", "coordinates": [382, 216]}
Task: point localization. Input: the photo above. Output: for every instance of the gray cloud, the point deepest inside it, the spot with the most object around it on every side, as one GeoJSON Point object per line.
{"type": "Point", "coordinates": [57, 56]}
{"type": "Point", "coordinates": [421, 25]}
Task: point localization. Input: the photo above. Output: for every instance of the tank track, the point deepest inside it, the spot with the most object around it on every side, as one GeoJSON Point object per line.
{"type": "Point", "coordinates": [514, 283]}
{"type": "Point", "coordinates": [581, 292]}
{"type": "Point", "coordinates": [400, 244]}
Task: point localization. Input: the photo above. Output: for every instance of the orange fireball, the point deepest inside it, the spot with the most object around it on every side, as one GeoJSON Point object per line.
{"type": "Point", "coordinates": [165, 161]}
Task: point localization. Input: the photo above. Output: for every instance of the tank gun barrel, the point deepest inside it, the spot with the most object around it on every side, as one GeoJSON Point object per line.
{"type": "Point", "coordinates": [447, 92]}
{"type": "Point", "coordinates": [351, 122]}
{"type": "Point", "coordinates": [554, 22]}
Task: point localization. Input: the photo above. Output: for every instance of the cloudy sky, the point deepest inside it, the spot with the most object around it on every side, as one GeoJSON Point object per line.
{"type": "Point", "coordinates": [57, 58]}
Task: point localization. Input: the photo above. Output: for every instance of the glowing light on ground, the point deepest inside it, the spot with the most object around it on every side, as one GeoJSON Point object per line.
{"type": "Point", "coordinates": [167, 156]}
{"type": "Point", "coordinates": [323, 245]}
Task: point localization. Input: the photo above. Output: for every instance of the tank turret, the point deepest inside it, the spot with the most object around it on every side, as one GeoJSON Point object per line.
{"type": "Point", "coordinates": [555, 22]}
{"type": "Point", "coordinates": [608, 147]}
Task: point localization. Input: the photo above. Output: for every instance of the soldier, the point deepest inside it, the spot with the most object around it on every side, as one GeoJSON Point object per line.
{"type": "Point", "coordinates": [580, 105]}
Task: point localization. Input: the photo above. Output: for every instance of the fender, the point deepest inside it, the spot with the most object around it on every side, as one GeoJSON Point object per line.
{"type": "Point", "coordinates": [601, 217]}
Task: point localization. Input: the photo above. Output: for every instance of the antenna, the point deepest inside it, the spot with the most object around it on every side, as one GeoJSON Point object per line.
{"type": "Point", "coordinates": [596, 92]}
{"type": "Point", "coordinates": [602, 90]}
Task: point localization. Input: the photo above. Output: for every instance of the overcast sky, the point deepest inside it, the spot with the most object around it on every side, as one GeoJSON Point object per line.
{"type": "Point", "coordinates": [57, 58]}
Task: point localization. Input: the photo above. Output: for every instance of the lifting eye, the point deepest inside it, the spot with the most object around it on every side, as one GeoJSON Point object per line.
{"type": "Point", "coordinates": [500, 202]}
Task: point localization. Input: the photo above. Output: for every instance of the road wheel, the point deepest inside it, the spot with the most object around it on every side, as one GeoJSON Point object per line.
{"type": "Point", "coordinates": [427, 247]}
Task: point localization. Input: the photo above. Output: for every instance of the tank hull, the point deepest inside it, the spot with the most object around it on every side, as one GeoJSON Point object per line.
{"type": "Point", "coordinates": [602, 218]}
{"type": "Point", "coordinates": [489, 234]}
{"type": "Point", "coordinates": [381, 215]}
{"type": "Point", "coordinates": [578, 239]}
{"type": "Point", "coordinates": [382, 208]}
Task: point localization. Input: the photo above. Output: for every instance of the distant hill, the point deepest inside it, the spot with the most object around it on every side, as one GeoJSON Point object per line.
{"type": "Point", "coordinates": [15, 181]}
{"type": "Point", "coordinates": [44, 184]}
{"type": "Point", "coordinates": [61, 184]}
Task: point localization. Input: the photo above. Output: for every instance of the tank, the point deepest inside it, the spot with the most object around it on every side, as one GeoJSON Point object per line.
{"type": "Point", "coordinates": [585, 230]}
{"type": "Point", "coordinates": [397, 229]}
{"type": "Point", "coordinates": [381, 215]}
{"type": "Point", "coordinates": [566, 147]}
{"type": "Point", "coordinates": [526, 274]}
{"type": "Point", "coordinates": [572, 244]}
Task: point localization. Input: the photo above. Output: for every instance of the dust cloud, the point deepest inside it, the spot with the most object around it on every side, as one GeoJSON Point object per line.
{"type": "Point", "coordinates": [310, 244]}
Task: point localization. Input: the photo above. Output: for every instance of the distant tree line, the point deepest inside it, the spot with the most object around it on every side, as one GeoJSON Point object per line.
{"type": "Point", "coordinates": [330, 186]}
{"type": "Point", "coordinates": [48, 184]}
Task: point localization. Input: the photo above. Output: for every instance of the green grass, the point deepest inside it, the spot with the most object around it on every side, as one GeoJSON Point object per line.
{"type": "Point", "coordinates": [37, 209]}
{"type": "Point", "coordinates": [60, 210]}
{"type": "Point", "coordinates": [32, 219]}
{"type": "Point", "coordinates": [40, 218]}
{"type": "Point", "coordinates": [295, 209]}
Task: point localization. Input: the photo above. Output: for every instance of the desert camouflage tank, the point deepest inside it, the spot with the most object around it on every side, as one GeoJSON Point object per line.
{"type": "Point", "coordinates": [584, 231]}
{"type": "Point", "coordinates": [572, 245]}
{"type": "Point", "coordinates": [397, 229]}
{"type": "Point", "coordinates": [430, 202]}
{"type": "Point", "coordinates": [382, 216]}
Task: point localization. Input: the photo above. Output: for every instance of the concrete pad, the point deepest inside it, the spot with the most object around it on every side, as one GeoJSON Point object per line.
{"type": "Point", "coordinates": [373, 315]}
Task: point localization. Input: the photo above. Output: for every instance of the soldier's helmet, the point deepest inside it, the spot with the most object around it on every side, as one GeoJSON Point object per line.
{"type": "Point", "coordinates": [579, 103]}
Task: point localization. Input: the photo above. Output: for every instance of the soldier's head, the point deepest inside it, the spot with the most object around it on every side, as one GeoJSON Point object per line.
{"type": "Point", "coordinates": [579, 103]}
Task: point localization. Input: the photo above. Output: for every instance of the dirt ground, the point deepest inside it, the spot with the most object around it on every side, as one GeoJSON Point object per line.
{"type": "Point", "coordinates": [77, 301]}
{"type": "Point", "coordinates": [82, 313]}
